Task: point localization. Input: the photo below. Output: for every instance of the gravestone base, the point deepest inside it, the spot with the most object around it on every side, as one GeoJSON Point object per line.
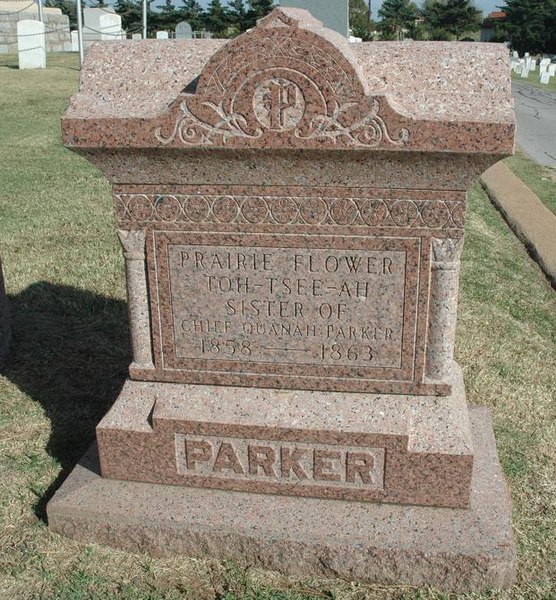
{"type": "Point", "coordinates": [448, 548]}
{"type": "Point", "coordinates": [372, 447]}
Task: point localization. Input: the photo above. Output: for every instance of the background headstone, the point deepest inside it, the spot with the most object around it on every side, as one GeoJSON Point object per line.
{"type": "Point", "coordinates": [110, 27]}
{"type": "Point", "coordinates": [183, 31]}
{"type": "Point", "coordinates": [161, 35]}
{"type": "Point", "coordinates": [136, 36]}
{"type": "Point", "coordinates": [545, 78]}
{"type": "Point", "coordinates": [74, 41]}
{"type": "Point", "coordinates": [31, 44]}
{"type": "Point", "coordinates": [334, 14]}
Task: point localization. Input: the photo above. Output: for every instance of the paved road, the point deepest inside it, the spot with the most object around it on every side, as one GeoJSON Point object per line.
{"type": "Point", "coordinates": [536, 122]}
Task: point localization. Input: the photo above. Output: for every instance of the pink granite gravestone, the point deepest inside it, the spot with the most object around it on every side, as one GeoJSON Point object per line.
{"type": "Point", "coordinates": [291, 210]}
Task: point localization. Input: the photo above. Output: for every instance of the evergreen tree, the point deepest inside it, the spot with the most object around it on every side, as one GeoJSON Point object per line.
{"type": "Point", "coordinates": [359, 22]}
{"type": "Point", "coordinates": [238, 15]}
{"type": "Point", "coordinates": [168, 16]}
{"type": "Point", "coordinates": [192, 12]}
{"type": "Point", "coordinates": [131, 12]}
{"type": "Point", "coordinates": [530, 25]}
{"type": "Point", "coordinates": [257, 10]}
{"type": "Point", "coordinates": [216, 18]}
{"type": "Point", "coordinates": [68, 7]}
{"type": "Point", "coordinates": [397, 16]}
{"type": "Point", "coordinates": [452, 16]}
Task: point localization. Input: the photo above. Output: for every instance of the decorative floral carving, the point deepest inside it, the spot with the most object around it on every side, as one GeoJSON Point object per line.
{"type": "Point", "coordinates": [369, 131]}
{"type": "Point", "coordinates": [189, 129]}
{"type": "Point", "coordinates": [282, 210]}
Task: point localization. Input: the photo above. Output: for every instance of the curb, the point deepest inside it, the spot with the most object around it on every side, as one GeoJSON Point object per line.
{"type": "Point", "coordinates": [532, 222]}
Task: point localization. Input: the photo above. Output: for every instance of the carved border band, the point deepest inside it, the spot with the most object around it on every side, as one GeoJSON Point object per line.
{"type": "Point", "coordinates": [288, 210]}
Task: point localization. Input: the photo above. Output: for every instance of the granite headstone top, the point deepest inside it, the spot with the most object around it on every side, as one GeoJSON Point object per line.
{"type": "Point", "coordinates": [291, 214]}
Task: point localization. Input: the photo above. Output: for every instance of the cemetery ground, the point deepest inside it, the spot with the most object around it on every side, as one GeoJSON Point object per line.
{"type": "Point", "coordinates": [540, 179]}
{"type": "Point", "coordinates": [70, 350]}
{"type": "Point", "coordinates": [534, 79]}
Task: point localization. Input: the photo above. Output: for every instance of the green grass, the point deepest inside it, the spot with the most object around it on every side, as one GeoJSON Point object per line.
{"type": "Point", "coordinates": [70, 351]}
{"type": "Point", "coordinates": [534, 79]}
{"type": "Point", "coordinates": [541, 179]}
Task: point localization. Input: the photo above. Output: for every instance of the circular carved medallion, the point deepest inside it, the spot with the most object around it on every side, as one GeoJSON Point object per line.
{"type": "Point", "coordinates": [140, 208]}
{"type": "Point", "coordinates": [404, 213]}
{"type": "Point", "coordinates": [254, 210]}
{"type": "Point", "coordinates": [373, 212]}
{"type": "Point", "coordinates": [313, 210]}
{"type": "Point", "coordinates": [434, 214]}
{"type": "Point", "coordinates": [458, 215]}
{"type": "Point", "coordinates": [225, 209]}
{"type": "Point", "coordinates": [167, 208]}
{"type": "Point", "coordinates": [196, 208]}
{"type": "Point", "coordinates": [343, 211]}
{"type": "Point", "coordinates": [284, 210]}
{"type": "Point", "coordinates": [119, 208]}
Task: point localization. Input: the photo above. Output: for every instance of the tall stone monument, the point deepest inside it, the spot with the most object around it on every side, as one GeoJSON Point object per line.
{"type": "Point", "coordinates": [291, 211]}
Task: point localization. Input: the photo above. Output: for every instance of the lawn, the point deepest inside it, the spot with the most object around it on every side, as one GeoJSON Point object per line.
{"type": "Point", "coordinates": [70, 350]}
{"type": "Point", "coordinates": [534, 79]}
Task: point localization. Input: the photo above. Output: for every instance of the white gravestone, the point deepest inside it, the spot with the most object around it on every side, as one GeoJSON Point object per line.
{"type": "Point", "coordinates": [161, 35]}
{"type": "Point", "coordinates": [552, 70]}
{"type": "Point", "coordinates": [74, 41]}
{"type": "Point", "coordinates": [136, 36]}
{"type": "Point", "coordinates": [31, 44]}
{"type": "Point", "coordinates": [183, 31]}
{"type": "Point", "coordinates": [515, 54]}
{"type": "Point", "coordinates": [525, 72]}
{"type": "Point", "coordinates": [518, 69]}
{"type": "Point", "coordinates": [545, 77]}
{"type": "Point", "coordinates": [532, 65]}
{"type": "Point", "coordinates": [526, 55]}
{"type": "Point", "coordinates": [110, 27]}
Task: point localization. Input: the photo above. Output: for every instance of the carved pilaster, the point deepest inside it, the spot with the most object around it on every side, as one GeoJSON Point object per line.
{"type": "Point", "coordinates": [133, 244]}
{"type": "Point", "coordinates": [445, 263]}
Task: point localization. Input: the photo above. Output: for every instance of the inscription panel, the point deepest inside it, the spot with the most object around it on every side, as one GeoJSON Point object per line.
{"type": "Point", "coordinates": [245, 303]}
{"type": "Point", "coordinates": [263, 304]}
{"type": "Point", "coordinates": [278, 463]}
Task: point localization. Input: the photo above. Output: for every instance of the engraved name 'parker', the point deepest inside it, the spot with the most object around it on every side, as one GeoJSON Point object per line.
{"type": "Point", "coordinates": [300, 463]}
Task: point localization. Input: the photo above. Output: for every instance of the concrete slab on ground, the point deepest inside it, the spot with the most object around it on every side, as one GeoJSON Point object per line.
{"type": "Point", "coordinates": [532, 222]}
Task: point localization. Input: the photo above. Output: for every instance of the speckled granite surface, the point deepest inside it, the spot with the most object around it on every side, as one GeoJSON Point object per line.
{"type": "Point", "coordinates": [448, 548]}
{"type": "Point", "coordinates": [390, 448]}
{"type": "Point", "coordinates": [419, 96]}
{"type": "Point", "coordinates": [291, 211]}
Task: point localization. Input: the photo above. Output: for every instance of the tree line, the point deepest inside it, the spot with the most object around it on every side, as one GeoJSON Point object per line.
{"type": "Point", "coordinates": [222, 20]}
{"type": "Point", "coordinates": [530, 25]}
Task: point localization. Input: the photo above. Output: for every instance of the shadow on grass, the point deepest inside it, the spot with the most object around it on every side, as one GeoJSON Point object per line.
{"type": "Point", "coordinates": [69, 352]}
